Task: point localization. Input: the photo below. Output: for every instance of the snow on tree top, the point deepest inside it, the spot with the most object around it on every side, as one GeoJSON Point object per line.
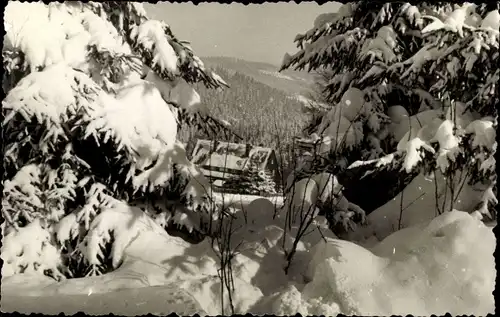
{"type": "Point", "coordinates": [445, 136]}
{"type": "Point", "coordinates": [455, 22]}
{"type": "Point", "coordinates": [151, 35]}
{"type": "Point", "coordinates": [33, 32]}
{"type": "Point", "coordinates": [139, 8]}
{"type": "Point", "coordinates": [25, 180]}
{"type": "Point", "coordinates": [218, 79]}
{"type": "Point", "coordinates": [105, 97]}
{"type": "Point", "coordinates": [49, 34]}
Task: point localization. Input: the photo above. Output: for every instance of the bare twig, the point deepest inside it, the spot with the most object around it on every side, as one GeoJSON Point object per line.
{"type": "Point", "coordinates": [401, 209]}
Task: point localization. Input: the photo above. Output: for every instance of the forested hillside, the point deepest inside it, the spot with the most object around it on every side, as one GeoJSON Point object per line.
{"type": "Point", "coordinates": [258, 113]}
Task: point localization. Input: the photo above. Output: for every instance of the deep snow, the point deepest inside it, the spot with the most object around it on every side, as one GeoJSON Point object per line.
{"type": "Point", "coordinates": [442, 265]}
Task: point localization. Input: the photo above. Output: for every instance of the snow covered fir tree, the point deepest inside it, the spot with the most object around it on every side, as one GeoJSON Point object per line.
{"type": "Point", "coordinates": [95, 95]}
{"type": "Point", "coordinates": [253, 182]}
{"type": "Point", "coordinates": [388, 210]}
{"type": "Point", "coordinates": [417, 96]}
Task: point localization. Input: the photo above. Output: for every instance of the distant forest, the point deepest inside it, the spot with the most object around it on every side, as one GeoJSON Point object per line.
{"type": "Point", "coordinates": [258, 113]}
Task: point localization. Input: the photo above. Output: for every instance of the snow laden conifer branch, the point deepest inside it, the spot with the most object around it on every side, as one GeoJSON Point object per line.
{"type": "Point", "coordinates": [427, 70]}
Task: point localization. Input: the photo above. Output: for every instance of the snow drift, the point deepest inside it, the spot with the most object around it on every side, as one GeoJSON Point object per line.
{"type": "Point", "coordinates": [443, 266]}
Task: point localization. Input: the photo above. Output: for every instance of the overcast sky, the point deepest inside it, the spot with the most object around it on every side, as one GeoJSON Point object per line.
{"type": "Point", "coordinates": [256, 32]}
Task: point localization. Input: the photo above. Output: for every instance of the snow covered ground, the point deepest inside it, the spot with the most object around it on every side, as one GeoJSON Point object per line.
{"type": "Point", "coordinates": [156, 300]}
{"type": "Point", "coordinates": [242, 201]}
{"type": "Point", "coordinates": [443, 265]}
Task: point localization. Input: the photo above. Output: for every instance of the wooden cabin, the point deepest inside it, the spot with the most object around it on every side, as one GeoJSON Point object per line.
{"type": "Point", "coordinates": [220, 161]}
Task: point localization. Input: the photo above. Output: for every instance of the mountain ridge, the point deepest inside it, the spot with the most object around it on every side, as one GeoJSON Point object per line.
{"type": "Point", "coordinates": [289, 81]}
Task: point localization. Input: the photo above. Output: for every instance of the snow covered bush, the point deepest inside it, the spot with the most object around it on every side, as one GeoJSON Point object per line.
{"type": "Point", "coordinates": [95, 95]}
{"type": "Point", "coordinates": [413, 90]}
{"type": "Point", "coordinates": [29, 250]}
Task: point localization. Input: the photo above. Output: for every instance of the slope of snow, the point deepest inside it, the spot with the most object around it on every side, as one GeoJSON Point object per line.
{"type": "Point", "coordinates": [153, 258]}
{"type": "Point", "coordinates": [124, 222]}
{"type": "Point", "coordinates": [438, 266]}
{"type": "Point", "coordinates": [290, 82]}
{"type": "Point", "coordinates": [289, 301]}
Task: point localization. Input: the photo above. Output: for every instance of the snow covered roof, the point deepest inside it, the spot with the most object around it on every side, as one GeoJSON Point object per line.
{"type": "Point", "coordinates": [221, 160]}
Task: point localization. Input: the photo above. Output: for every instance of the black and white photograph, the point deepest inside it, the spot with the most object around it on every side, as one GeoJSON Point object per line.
{"type": "Point", "coordinates": [333, 158]}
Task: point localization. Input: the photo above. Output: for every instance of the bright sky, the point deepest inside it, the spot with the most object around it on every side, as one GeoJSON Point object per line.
{"type": "Point", "coordinates": [255, 32]}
